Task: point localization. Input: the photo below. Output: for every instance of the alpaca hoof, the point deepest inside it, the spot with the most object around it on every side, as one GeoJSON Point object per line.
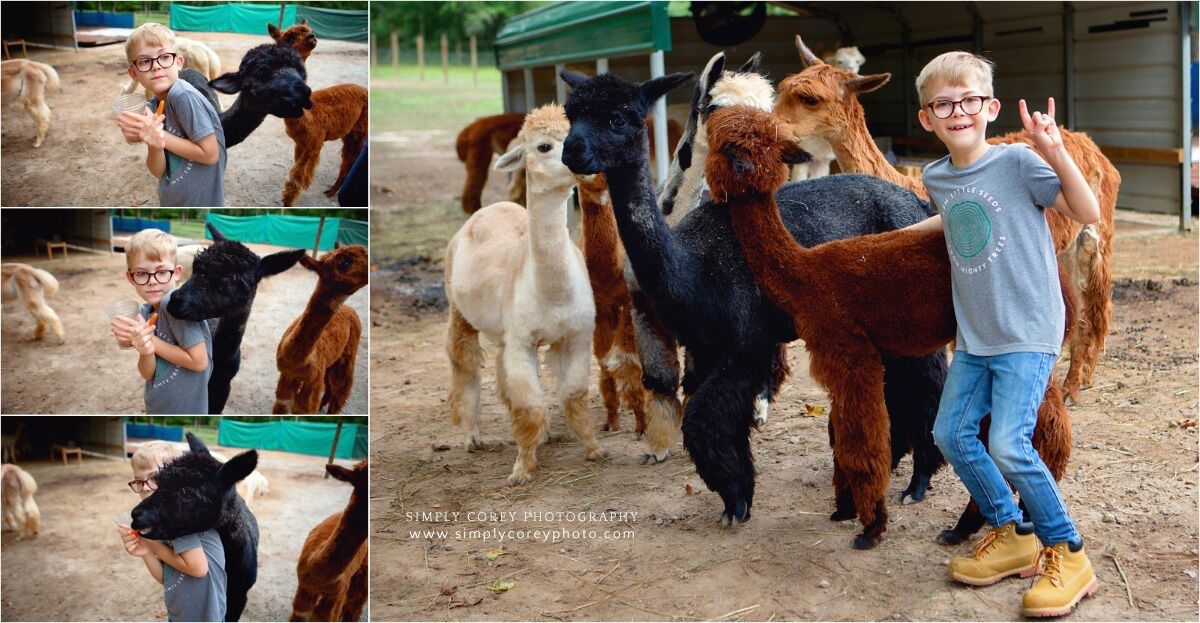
{"type": "Point", "coordinates": [950, 537]}
{"type": "Point", "coordinates": [864, 541]}
{"type": "Point", "coordinates": [611, 428]}
{"type": "Point", "coordinates": [516, 480]}
{"type": "Point", "coordinates": [597, 454]}
{"type": "Point", "coordinates": [1068, 401]}
{"type": "Point", "coordinates": [740, 516]}
{"type": "Point", "coordinates": [474, 444]}
{"type": "Point", "coordinates": [843, 515]}
{"type": "Point", "coordinates": [914, 493]}
{"type": "Point", "coordinates": [650, 458]}
{"type": "Point", "coordinates": [760, 411]}
{"type": "Point", "coordinates": [331, 191]}
{"type": "Point", "coordinates": [726, 521]}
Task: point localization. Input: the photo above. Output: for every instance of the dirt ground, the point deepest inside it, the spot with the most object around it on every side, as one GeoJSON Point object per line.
{"type": "Point", "coordinates": [1131, 483]}
{"type": "Point", "coordinates": [113, 173]}
{"type": "Point", "coordinates": [77, 570]}
{"type": "Point", "coordinates": [90, 374]}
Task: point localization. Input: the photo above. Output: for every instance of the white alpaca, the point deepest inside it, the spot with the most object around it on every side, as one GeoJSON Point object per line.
{"type": "Point", "coordinates": [32, 286]}
{"type": "Point", "coordinates": [514, 275]}
{"type": "Point", "coordinates": [250, 486]}
{"type": "Point", "coordinates": [27, 82]}
{"type": "Point", "coordinates": [21, 513]}
{"type": "Point", "coordinates": [847, 59]}
{"type": "Point", "coordinates": [185, 256]}
{"type": "Point", "coordinates": [196, 55]}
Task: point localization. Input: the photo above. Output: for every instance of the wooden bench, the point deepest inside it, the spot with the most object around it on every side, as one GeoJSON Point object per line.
{"type": "Point", "coordinates": [49, 246]}
{"type": "Point", "coordinates": [5, 42]}
{"type": "Point", "coordinates": [57, 450]}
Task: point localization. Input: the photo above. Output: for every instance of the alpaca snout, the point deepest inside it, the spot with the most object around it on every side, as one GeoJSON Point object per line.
{"type": "Point", "coordinates": [578, 157]}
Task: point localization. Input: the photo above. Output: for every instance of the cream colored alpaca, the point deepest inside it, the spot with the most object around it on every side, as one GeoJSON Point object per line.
{"type": "Point", "coordinates": [21, 513]}
{"type": "Point", "coordinates": [514, 275]}
{"type": "Point", "coordinates": [32, 286]}
{"type": "Point", "coordinates": [848, 60]}
{"type": "Point", "coordinates": [196, 55]}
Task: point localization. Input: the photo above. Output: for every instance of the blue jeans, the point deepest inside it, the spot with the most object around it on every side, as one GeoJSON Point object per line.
{"type": "Point", "coordinates": [1010, 387]}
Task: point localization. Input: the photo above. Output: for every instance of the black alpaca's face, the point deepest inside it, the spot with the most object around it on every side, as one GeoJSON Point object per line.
{"type": "Point", "coordinates": [192, 491]}
{"type": "Point", "coordinates": [607, 115]}
{"type": "Point", "coordinates": [271, 79]}
{"type": "Point", "coordinates": [225, 279]}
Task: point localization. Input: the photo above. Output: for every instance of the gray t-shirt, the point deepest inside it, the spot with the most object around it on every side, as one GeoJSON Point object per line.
{"type": "Point", "coordinates": [186, 183]}
{"type": "Point", "coordinates": [196, 599]}
{"type": "Point", "coordinates": [1007, 296]}
{"type": "Point", "coordinates": [174, 389]}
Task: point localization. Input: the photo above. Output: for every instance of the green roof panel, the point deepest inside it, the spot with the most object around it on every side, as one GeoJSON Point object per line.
{"type": "Point", "coordinates": [566, 32]}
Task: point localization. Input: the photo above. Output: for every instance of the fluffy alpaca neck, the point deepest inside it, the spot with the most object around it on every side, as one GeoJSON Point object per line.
{"type": "Point", "coordinates": [549, 240]}
{"type": "Point", "coordinates": [780, 265]}
{"type": "Point", "coordinates": [856, 152]}
{"type": "Point", "coordinates": [227, 338]}
{"type": "Point", "coordinates": [341, 547]}
{"type": "Point", "coordinates": [322, 305]}
{"type": "Point", "coordinates": [657, 259]}
{"type": "Point", "coordinates": [692, 187]}
{"type": "Point", "coordinates": [238, 122]}
{"type": "Point", "coordinates": [600, 247]}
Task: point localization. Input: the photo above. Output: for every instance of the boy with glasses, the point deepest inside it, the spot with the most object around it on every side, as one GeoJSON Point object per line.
{"type": "Point", "coordinates": [185, 145]}
{"type": "Point", "coordinates": [191, 568]}
{"type": "Point", "coordinates": [174, 355]}
{"type": "Point", "coordinates": [991, 202]}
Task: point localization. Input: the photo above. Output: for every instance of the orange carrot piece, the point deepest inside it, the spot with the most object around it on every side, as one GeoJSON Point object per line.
{"type": "Point", "coordinates": [153, 319]}
{"type": "Point", "coordinates": [161, 103]}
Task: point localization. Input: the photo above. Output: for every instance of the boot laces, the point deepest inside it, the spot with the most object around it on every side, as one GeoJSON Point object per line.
{"type": "Point", "coordinates": [989, 541]}
{"type": "Point", "coordinates": [1052, 569]}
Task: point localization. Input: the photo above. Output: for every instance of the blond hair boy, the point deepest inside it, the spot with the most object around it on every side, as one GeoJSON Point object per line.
{"type": "Point", "coordinates": [174, 355]}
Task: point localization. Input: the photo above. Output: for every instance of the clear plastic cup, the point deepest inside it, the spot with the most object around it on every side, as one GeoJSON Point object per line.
{"type": "Point", "coordinates": [132, 102]}
{"type": "Point", "coordinates": [128, 309]}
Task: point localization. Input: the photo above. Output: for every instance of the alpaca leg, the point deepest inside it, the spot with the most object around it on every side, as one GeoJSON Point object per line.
{"type": "Point", "coordinates": [912, 388]}
{"type": "Point", "coordinates": [861, 433]}
{"type": "Point", "coordinates": [628, 370]}
{"type": "Point", "coordinates": [523, 391]}
{"type": "Point", "coordinates": [307, 156]}
{"type": "Point", "coordinates": [574, 360]}
{"type": "Point", "coordinates": [466, 357]}
{"type": "Point", "coordinates": [602, 344]}
{"type": "Point", "coordinates": [339, 380]}
{"type": "Point", "coordinates": [479, 159]}
{"type": "Point", "coordinates": [308, 398]}
{"type": "Point", "coordinates": [37, 108]}
{"type": "Point", "coordinates": [1091, 328]}
{"type": "Point", "coordinates": [611, 399]}
{"type": "Point", "coordinates": [329, 606]}
{"type": "Point", "coordinates": [356, 595]}
{"type": "Point", "coordinates": [660, 375]}
{"type": "Point", "coordinates": [351, 146]}
{"type": "Point", "coordinates": [304, 605]}
{"type": "Point", "coordinates": [285, 394]}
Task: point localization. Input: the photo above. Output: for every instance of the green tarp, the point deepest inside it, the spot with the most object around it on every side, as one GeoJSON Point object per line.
{"type": "Point", "coordinates": [278, 229]}
{"type": "Point", "coordinates": [252, 18]}
{"type": "Point", "coordinates": [336, 24]}
{"type": "Point", "coordinates": [314, 438]}
{"type": "Point", "coordinates": [353, 232]}
{"type": "Point", "coordinates": [245, 18]}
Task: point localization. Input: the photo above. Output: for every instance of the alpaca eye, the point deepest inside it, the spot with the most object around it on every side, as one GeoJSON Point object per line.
{"type": "Point", "coordinates": [809, 100]}
{"type": "Point", "coordinates": [617, 120]}
{"type": "Point", "coordinates": [544, 147]}
{"type": "Point", "coordinates": [712, 108]}
{"type": "Point", "coordinates": [344, 264]}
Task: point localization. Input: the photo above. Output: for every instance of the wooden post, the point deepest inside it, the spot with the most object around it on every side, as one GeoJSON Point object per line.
{"type": "Point", "coordinates": [421, 57]}
{"type": "Point", "coordinates": [317, 244]}
{"type": "Point", "coordinates": [332, 451]}
{"type": "Point", "coordinates": [474, 62]}
{"type": "Point", "coordinates": [395, 54]}
{"type": "Point", "coordinates": [445, 60]}
{"type": "Point", "coordinates": [374, 51]}
{"type": "Point", "coordinates": [280, 24]}
{"type": "Point", "coordinates": [458, 52]}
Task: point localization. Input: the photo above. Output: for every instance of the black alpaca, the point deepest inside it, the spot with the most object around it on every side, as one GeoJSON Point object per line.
{"type": "Point", "coordinates": [196, 493]}
{"type": "Point", "coordinates": [269, 81]}
{"type": "Point", "coordinates": [698, 280]}
{"type": "Point", "coordinates": [225, 278]}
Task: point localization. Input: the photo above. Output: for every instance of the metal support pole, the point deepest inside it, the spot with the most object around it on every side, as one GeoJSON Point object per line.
{"type": "Point", "coordinates": [1185, 64]}
{"type": "Point", "coordinates": [601, 66]}
{"type": "Point", "coordinates": [657, 70]}
{"type": "Point", "coordinates": [317, 242]}
{"type": "Point", "coordinates": [560, 87]}
{"type": "Point", "coordinates": [529, 101]}
{"type": "Point", "coordinates": [333, 451]}
{"type": "Point", "coordinates": [1068, 43]}
{"type": "Point", "coordinates": [504, 91]}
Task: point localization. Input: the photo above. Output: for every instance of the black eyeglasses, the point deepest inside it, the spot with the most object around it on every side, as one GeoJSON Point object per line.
{"type": "Point", "coordinates": [160, 276]}
{"type": "Point", "coordinates": [139, 486]}
{"type": "Point", "coordinates": [971, 105]}
{"type": "Point", "coordinates": [146, 64]}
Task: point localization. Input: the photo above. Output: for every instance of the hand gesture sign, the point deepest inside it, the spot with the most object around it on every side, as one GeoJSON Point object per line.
{"type": "Point", "coordinates": [1041, 128]}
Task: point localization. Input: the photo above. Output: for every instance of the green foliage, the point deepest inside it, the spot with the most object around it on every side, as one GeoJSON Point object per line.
{"type": "Point", "coordinates": [456, 20]}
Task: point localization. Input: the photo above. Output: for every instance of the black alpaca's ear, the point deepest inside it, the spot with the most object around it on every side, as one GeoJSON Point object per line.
{"type": "Point", "coordinates": [866, 84]}
{"type": "Point", "coordinates": [196, 446]}
{"type": "Point", "coordinates": [573, 78]}
{"type": "Point", "coordinates": [712, 72]}
{"type": "Point", "coordinates": [753, 65]}
{"type": "Point", "coordinates": [273, 31]}
{"type": "Point", "coordinates": [229, 83]}
{"type": "Point", "coordinates": [792, 153]}
{"type": "Point", "coordinates": [217, 236]}
{"type": "Point", "coordinates": [237, 468]}
{"type": "Point", "coordinates": [658, 87]}
{"type": "Point", "coordinates": [276, 263]}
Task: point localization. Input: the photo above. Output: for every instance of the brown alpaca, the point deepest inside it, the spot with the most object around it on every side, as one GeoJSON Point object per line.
{"type": "Point", "coordinates": [613, 341]}
{"type": "Point", "coordinates": [822, 101]}
{"type": "Point", "coordinates": [317, 353]}
{"type": "Point", "coordinates": [852, 301]}
{"type": "Point", "coordinates": [299, 37]}
{"type": "Point", "coordinates": [338, 112]}
{"type": "Point", "coordinates": [492, 135]}
{"type": "Point", "coordinates": [332, 570]}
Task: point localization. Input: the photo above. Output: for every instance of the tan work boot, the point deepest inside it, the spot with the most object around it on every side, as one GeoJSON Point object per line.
{"type": "Point", "coordinates": [1001, 553]}
{"type": "Point", "coordinates": [1066, 578]}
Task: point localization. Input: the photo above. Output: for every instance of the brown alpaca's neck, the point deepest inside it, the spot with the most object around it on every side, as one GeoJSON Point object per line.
{"type": "Point", "coordinates": [856, 152]}
{"type": "Point", "coordinates": [340, 548]}
{"type": "Point", "coordinates": [600, 238]}
{"type": "Point", "coordinates": [780, 265]}
{"type": "Point", "coordinates": [322, 305]}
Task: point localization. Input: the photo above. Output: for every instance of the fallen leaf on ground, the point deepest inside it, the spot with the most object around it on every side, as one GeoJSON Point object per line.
{"type": "Point", "coordinates": [495, 553]}
{"type": "Point", "coordinates": [499, 586]}
{"type": "Point", "coordinates": [813, 410]}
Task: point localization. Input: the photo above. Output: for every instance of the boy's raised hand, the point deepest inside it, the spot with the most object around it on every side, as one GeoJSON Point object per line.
{"type": "Point", "coordinates": [152, 132]}
{"type": "Point", "coordinates": [134, 544]}
{"type": "Point", "coordinates": [1041, 128]}
{"type": "Point", "coordinates": [143, 341]}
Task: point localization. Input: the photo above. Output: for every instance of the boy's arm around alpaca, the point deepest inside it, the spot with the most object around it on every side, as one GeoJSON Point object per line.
{"type": "Point", "coordinates": [204, 151]}
{"type": "Point", "coordinates": [1076, 200]}
{"type": "Point", "coordinates": [194, 357]}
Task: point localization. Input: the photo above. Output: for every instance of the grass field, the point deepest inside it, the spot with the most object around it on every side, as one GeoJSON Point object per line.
{"type": "Point", "coordinates": [191, 229]}
{"type": "Point", "coordinates": [140, 18]}
{"type": "Point", "coordinates": [401, 101]}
